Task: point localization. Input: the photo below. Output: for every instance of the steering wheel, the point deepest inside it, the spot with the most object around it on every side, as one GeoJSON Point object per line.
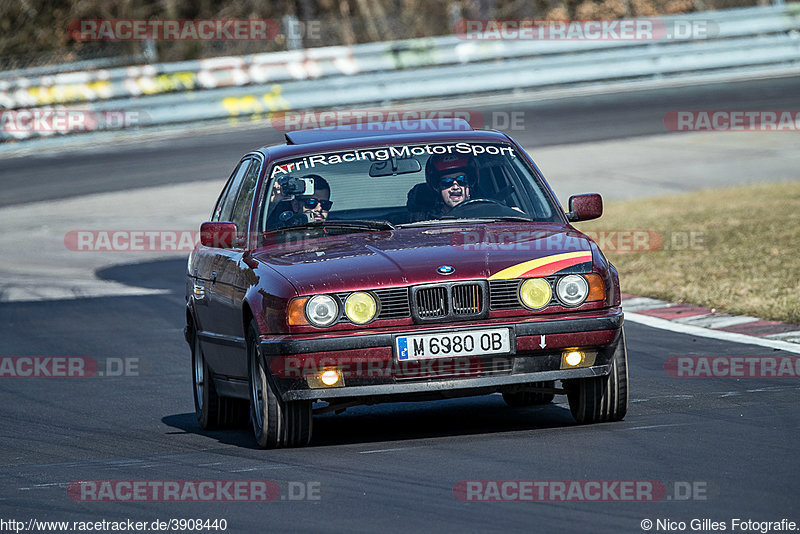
{"type": "Point", "coordinates": [476, 202]}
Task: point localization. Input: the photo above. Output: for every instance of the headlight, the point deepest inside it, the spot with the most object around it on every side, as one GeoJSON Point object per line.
{"type": "Point", "coordinates": [535, 293]}
{"type": "Point", "coordinates": [360, 307]}
{"type": "Point", "coordinates": [572, 290]}
{"type": "Point", "coordinates": [322, 310]}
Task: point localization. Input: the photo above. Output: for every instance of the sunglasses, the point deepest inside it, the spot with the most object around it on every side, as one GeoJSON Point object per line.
{"type": "Point", "coordinates": [312, 202]}
{"type": "Point", "coordinates": [447, 183]}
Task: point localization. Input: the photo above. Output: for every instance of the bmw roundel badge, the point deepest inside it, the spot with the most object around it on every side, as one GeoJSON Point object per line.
{"type": "Point", "coordinates": [446, 269]}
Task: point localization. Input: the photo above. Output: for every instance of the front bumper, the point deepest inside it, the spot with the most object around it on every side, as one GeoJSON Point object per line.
{"type": "Point", "coordinates": [379, 375]}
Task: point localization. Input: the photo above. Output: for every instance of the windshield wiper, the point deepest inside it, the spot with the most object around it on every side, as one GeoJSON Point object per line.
{"type": "Point", "coordinates": [359, 223]}
{"type": "Point", "coordinates": [507, 218]}
{"type": "Point", "coordinates": [354, 224]}
{"type": "Point", "coordinates": [449, 219]}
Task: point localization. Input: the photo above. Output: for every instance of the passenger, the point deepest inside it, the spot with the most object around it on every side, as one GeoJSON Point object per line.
{"type": "Point", "coordinates": [277, 195]}
{"type": "Point", "coordinates": [318, 204]}
{"type": "Point", "coordinates": [284, 212]}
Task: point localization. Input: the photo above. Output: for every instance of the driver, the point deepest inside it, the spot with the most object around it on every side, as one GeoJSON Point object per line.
{"type": "Point", "coordinates": [450, 176]}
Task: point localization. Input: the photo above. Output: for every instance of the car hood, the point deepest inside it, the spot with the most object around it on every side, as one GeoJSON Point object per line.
{"type": "Point", "coordinates": [372, 260]}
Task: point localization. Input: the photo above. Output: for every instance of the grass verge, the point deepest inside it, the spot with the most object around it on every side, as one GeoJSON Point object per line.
{"type": "Point", "coordinates": [736, 250]}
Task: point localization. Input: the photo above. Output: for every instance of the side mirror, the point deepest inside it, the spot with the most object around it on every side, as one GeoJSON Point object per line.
{"type": "Point", "coordinates": [217, 234]}
{"type": "Point", "coordinates": [585, 207]}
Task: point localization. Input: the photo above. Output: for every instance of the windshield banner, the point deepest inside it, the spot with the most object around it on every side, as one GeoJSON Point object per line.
{"type": "Point", "coordinates": [384, 154]}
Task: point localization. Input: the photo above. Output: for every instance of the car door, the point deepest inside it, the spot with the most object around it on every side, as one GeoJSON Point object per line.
{"type": "Point", "coordinates": [231, 283]}
{"type": "Point", "coordinates": [211, 330]}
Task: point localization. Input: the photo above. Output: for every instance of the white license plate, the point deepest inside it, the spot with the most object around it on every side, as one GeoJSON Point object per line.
{"type": "Point", "coordinates": [450, 345]}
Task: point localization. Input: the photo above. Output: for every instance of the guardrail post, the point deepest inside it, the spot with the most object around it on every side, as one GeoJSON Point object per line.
{"type": "Point", "coordinates": [291, 29]}
{"type": "Point", "coordinates": [455, 13]}
{"type": "Point", "coordinates": [150, 52]}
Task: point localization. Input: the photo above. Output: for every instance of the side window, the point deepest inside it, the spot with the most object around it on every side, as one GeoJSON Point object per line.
{"type": "Point", "coordinates": [224, 209]}
{"type": "Point", "coordinates": [221, 200]}
{"type": "Point", "coordinates": [244, 200]}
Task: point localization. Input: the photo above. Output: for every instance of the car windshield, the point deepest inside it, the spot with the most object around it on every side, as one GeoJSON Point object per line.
{"type": "Point", "coordinates": [404, 185]}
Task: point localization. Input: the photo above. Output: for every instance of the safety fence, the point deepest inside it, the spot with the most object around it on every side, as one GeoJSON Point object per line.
{"type": "Point", "coordinates": [252, 86]}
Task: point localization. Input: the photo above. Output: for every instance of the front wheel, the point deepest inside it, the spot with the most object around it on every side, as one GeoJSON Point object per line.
{"type": "Point", "coordinates": [275, 423]}
{"type": "Point", "coordinates": [602, 398]}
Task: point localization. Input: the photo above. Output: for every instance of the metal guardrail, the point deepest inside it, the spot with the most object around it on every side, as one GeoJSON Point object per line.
{"type": "Point", "coordinates": [29, 73]}
{"type": "Point", "coordinates": [257, 84]}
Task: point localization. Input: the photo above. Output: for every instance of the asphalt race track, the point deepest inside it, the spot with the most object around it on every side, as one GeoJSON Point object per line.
{"type": "Point", "coordinates": [389, 467]}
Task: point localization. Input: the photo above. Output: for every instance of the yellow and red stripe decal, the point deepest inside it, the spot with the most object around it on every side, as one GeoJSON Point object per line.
{"type": "Point", "coordinates": [543, 266]}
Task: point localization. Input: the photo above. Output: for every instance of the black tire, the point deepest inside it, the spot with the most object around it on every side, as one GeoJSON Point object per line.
{"type": "Point", "coordinates": [602, 398]}
{"type": "Point", "coordinates": [275, 423]}
{"type": "Point", "coordinates": [518, 399]}
{"type": "Point", "coordinates": [211, 410]}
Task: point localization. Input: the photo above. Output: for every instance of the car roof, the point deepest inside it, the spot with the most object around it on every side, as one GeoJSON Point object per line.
{"type": "Point", "coordinates": [318, 140]}
{"type": "Point", "coordinates": [375, 129]}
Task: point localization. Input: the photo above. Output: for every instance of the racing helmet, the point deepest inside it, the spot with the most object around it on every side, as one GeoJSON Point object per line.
{"type": "Point", "coordinates": [440, 164]}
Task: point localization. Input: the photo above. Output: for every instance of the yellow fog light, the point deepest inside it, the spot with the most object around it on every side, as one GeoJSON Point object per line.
{"type": "Point", "coordinates": [535, 293]}
{"type": "Point", "coordinates": [327, 378]}
{"type": "Point", "coordinates": [360, 307]}
{"type": "Point", "coordinates": [573, 358]}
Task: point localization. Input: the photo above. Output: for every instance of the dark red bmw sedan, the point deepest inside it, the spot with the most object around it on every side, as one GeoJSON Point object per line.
{"type": "Point", "coordinates": [396, 262]}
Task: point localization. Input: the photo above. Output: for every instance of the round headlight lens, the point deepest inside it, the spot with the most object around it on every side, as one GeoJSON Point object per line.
{"type": "Point", "coordinates": [322, 310]}
{"type": "Point", "coordinates": [360, 307]}
{"type": "Point", "coordinates": [535, 293]}
{"type": "Point", "coordinates": [572, 290]}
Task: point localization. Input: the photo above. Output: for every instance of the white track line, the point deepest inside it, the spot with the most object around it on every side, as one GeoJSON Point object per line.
{"type": "Point", "coordinates": [716, 320]}
{"type": "Point", "coordinates": [657, 426]}
{"type": "Point", "coordinates": [664, 324]}
{"type": "Point", "coordinates": [786, 335]}
{"type": "Point", "coordinates": [644, 303]}
{"type": "Point", "coordinates": [386, 450]}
